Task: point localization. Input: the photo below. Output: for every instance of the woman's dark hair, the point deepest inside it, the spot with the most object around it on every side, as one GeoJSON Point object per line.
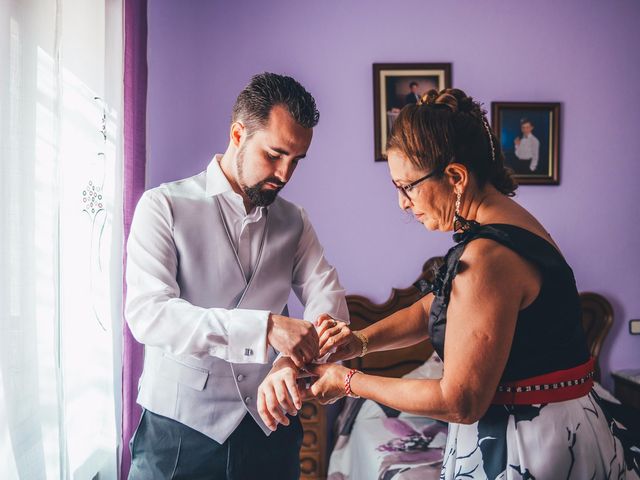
{"type": "Point", "coordinates": [267, 90]}
{"type": "Point", "coordinates": [449, 126]}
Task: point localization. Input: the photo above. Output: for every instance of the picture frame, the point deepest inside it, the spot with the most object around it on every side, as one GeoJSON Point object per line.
{"type": "Point", "coordinates": [393, 89]}
{"type": "Point", "coordinates": [529, 134]}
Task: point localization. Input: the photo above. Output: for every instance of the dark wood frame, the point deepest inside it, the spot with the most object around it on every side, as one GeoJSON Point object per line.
{"type": "Point", "coordinates": [378, 68]}
{"type": "Point", "coordinates": [554, 160]}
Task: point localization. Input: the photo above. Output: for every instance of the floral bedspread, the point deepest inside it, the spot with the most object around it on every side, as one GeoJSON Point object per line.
{"type": "Point", "coordinates": [385, 444]}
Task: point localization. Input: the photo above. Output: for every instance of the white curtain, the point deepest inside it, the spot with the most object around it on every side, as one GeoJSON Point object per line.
{"type": "Point", "coordinates": [60, 237]}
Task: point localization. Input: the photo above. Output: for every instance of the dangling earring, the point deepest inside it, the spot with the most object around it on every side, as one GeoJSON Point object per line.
{"type": "Point", "coordinates": [459, 222]}
{"type": "Point", "coordinates": [457, 218]}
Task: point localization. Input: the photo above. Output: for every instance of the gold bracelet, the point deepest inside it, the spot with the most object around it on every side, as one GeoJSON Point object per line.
{"type": "Point", "coordinates": [364, 340]}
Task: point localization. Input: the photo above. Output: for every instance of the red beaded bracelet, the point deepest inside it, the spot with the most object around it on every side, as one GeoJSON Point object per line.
{"type": "Point", "coordinates": [347, 383]}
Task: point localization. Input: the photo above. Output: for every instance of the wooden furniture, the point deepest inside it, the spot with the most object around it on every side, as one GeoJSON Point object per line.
{"type": "Point", "coordinates": [313, 461]}
{"type": "Point", "coordinates": [627, 387]}
{"type": "Point", "coordinates": [363, 312]}
{"type": "Point", "coordinates": [597, 318]}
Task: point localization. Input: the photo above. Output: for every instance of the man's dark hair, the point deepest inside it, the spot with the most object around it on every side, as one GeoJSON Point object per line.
{"type": "Point", "coordinates": [413, 84]}
{"type": "Point", "coordinates": [267, 90]}
{"type": "Point", "coordinates": [526, 120]}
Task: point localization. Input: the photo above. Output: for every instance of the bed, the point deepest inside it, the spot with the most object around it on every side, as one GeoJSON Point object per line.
{"type": "Point", "coordinates": [372, 441]}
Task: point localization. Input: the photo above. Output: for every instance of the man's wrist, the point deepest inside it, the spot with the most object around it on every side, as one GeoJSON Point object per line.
{"type": "Point", "coordinates": [284, 362]}
{"type": "Point", "coordinates": [271, 321]}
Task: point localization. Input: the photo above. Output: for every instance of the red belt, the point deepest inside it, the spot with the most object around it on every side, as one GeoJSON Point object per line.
{"type": "Point", "coordinates": [551, 387]}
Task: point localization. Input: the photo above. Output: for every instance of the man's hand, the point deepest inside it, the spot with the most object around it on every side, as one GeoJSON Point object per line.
{"type": "Point", "coordinates": [293, 338]}
{"type": "Point", "coordinates": [278, 393]}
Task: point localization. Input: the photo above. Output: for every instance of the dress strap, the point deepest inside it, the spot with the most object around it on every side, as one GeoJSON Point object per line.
{"type": "Point", "coordinates": [525, 243]}
{"type": "Point", "coordinates": [441, 284]}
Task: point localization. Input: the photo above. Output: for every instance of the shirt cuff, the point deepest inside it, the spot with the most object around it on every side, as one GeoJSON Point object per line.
{"type": "Point", "coordinates": [248, 336]}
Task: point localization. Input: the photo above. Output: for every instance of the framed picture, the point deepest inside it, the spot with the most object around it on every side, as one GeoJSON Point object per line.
{"type": "Point", "coordinates": [396, 85]}
{"type": "Point", "coordinates": [529, 133]}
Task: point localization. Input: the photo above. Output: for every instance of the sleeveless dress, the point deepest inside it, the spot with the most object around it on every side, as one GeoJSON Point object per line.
{"type": "Point", "coordinates": [575, 439]}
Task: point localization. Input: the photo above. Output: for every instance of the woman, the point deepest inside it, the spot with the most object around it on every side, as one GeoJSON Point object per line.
{"type": "Point", "coordinates": [503, 314]}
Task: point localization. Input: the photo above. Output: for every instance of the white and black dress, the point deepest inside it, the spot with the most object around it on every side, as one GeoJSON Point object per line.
{"type": "Point", "coordinates": [575, 439]}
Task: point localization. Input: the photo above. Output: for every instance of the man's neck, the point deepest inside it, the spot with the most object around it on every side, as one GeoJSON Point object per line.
{"type": "Point", "coordinates": [227, 166]}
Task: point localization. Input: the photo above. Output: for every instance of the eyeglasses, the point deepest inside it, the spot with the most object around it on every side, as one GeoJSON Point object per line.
{"type": "Point", "coordinates": [406, 189]}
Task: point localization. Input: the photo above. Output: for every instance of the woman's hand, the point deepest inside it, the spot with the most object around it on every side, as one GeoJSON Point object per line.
{"type": "Point", "coordinates": [329, 386]}
{"type": "Point", "coordinates": [337, 335]}
{"type": "Point", "coordinates": [278, 393]}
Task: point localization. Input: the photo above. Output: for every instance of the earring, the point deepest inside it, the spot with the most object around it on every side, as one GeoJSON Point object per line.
{"type": "Point", "coordinates": [458, 197]}
{"type": "Point", "coordinates": [459, 222]}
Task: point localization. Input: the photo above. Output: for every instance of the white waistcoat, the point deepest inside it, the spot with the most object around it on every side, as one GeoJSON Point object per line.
{"type": "Point", "coordinates": [209, 394]}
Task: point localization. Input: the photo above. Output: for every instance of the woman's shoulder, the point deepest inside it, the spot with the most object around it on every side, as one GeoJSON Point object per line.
{"type": "Point", "coordinates": [528, 239]}
{"type": "Point", "coordinates": [515, 220]}
{"type": "Point", "coordinates": [489, 253]}
{"type": "Point", "coordinates": [517, 254]}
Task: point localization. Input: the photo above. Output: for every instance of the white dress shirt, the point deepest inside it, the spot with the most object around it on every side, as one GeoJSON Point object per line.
{"type": "Point", "coordinates": [228, 334]}
{"type": "Point", "coordinates": [529, 148]}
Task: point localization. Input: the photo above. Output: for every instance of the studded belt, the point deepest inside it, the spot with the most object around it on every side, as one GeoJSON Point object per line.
{"type": "Point", "coordinates": [557, 386]}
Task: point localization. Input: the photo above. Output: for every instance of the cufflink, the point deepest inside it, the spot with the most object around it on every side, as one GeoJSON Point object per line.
{"type": "Point", "coordinates": [248, 352]}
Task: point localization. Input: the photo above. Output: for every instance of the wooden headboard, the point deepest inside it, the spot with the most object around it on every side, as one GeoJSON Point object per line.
{"type": "Point", "coordinates": [363, 312]}
{"type": "Point", "coordinates": [597, 318]}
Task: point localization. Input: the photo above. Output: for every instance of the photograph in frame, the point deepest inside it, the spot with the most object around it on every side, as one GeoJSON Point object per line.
{"type": "Point", "coordinates": [396, 85]}
{"type": "Point", "coordinates": [529, 134]}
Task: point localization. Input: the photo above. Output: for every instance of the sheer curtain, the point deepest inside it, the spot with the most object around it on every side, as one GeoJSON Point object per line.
{"type": "Point", "coordinates": [60, 238]}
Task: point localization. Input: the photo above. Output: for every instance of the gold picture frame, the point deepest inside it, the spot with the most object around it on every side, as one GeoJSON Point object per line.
{"type": "Point", "coordinates": [392, 90]}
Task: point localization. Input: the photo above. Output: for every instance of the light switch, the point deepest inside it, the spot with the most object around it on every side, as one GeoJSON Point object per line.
{"type": "Point", "coordinates": [634, 327]}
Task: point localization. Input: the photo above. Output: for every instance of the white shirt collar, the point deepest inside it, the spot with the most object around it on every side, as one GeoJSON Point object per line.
{"type": "Point", "coordinates": [217, 183]}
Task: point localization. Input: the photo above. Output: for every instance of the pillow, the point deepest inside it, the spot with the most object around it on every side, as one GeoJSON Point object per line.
{"type": "Point", "coordinates": [432, 368]}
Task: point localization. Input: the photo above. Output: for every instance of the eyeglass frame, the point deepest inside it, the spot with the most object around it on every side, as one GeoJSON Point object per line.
{"type": "Point", "coordinates": [405, 189]}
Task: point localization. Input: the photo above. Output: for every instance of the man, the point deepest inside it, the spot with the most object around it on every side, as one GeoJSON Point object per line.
{"type": "Point", "coordinates": [527, 147]}
{"type": "Point", "coordinates": [211, 262]}
{"type": "Point", "coordinates": [413, 96]}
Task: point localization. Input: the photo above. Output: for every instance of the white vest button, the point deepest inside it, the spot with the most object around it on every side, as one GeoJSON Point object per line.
{"type": "Point", "coordinates": [247, 399]}
{"type": "Point", "coordinates": [240, 377]}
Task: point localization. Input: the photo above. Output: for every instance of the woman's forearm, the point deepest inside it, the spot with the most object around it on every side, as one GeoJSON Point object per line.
{"type": "Point", "coordinates": [425, 397]}
{"type": "Point", "coordinates": [404, 328]}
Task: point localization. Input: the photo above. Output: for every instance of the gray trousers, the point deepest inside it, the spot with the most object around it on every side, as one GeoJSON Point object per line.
{"type": "Point", "coordinates": [162, 448]}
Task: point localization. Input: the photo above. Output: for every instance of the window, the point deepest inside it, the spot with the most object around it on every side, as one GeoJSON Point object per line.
{"type": "Point", "coordinates": [61, 238]}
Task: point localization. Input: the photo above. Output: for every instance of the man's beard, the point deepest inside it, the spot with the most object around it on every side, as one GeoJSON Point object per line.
{"type": "Point", "coordinates": [257, 196]}
{"type": "Point", "coordinates": [260, 197]}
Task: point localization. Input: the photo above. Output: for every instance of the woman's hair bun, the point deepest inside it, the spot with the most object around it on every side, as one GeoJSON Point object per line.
{"type": "Point", "coordinates": [443, 97]}
{"type": "Point", "coordinates": [463, 133]}
{"type": "Point", "coordinates": [429, 97]}
{"type": "Point", "coordinates": [454, 98]}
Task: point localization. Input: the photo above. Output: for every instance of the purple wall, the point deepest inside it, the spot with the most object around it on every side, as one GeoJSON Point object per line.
{"type": "Point", "coordinates": [579, 53]}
